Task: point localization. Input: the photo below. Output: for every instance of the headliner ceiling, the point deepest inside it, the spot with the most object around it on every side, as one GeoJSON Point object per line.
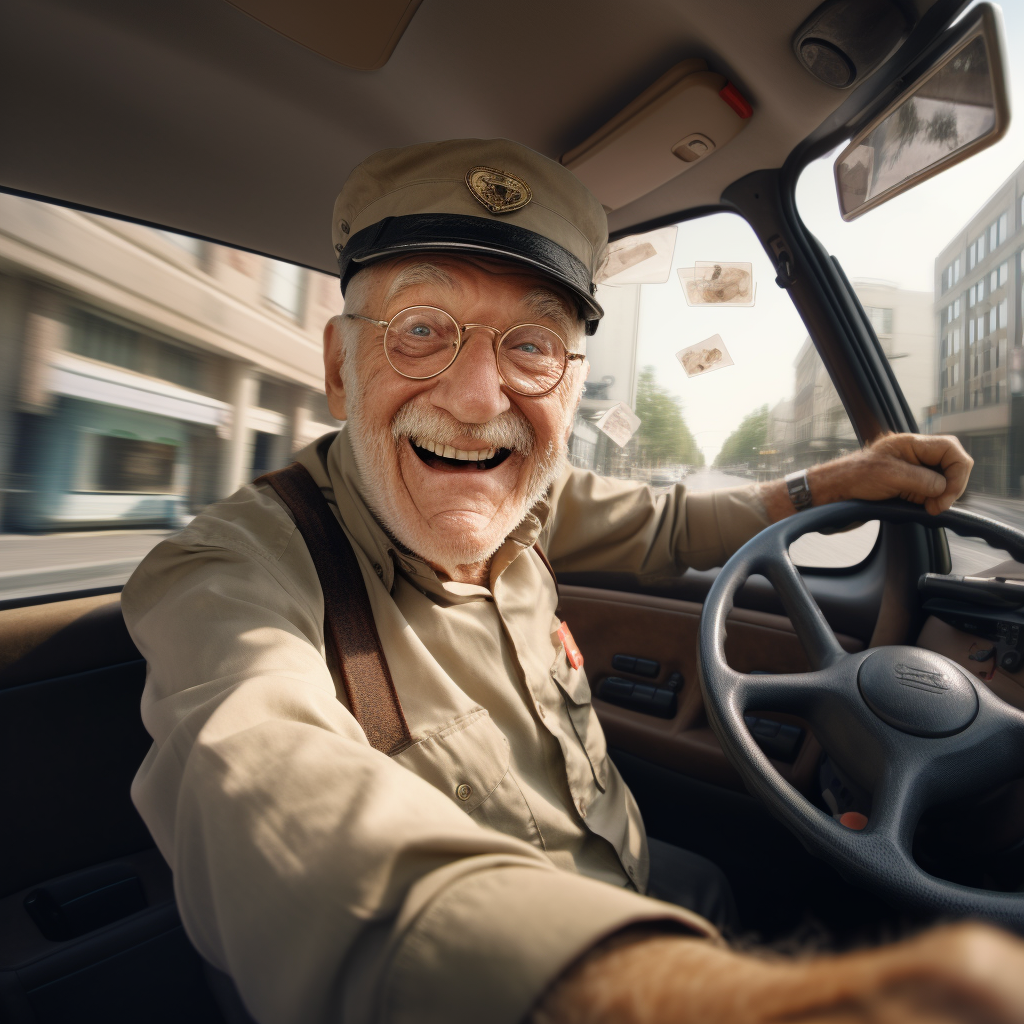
{"type": "Point", "coordinates": [193, 115]}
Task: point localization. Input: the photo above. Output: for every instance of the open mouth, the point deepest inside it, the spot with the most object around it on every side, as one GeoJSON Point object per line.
{"type": "Point", "coordinates": [441, 456]}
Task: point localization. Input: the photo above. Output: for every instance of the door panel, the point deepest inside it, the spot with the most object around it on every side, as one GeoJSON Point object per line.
{"type": "Point", "coordinates": [849, 599]}
{"type": "Point", "coordinates": [71, 738]}
{"type": "Point", "coordinates": [89, 929]}
{"type": "Point", "coordinates": [606, 623]}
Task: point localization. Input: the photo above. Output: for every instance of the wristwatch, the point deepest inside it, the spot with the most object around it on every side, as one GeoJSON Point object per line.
{"type": "Point", "coordinates": [799, 489]}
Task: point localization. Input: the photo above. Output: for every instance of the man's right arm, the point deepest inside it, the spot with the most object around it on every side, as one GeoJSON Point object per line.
{"type": "Point", "coordinates": [967, 973]}
{"type": "Point", "coordinates": [328, 880]}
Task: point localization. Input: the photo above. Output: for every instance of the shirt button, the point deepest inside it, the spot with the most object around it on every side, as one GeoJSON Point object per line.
{"type": "Point", "coordinates": [464, 792]}
{"type": "Point", "coordinates": [632, 871]}
{"type": "Point", "coordinates": [378, 570]}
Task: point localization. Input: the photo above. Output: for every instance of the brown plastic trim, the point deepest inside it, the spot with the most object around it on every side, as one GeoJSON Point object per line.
{"type": "Point", "coordinates": [686, 743]}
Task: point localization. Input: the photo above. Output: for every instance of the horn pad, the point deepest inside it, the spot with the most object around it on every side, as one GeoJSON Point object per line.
{"type": "Point", "coordinates": [917, 691]}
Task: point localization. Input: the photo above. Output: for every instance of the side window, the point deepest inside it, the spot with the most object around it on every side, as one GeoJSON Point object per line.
{"type": "Point", "coordinates": [145, 374]}
{"type": "Point", "coordinates": [957, 342]}
{"type": "Point", "coordinates": [709, 363]}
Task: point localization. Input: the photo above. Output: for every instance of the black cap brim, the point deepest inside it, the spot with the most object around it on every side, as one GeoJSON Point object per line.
{"type": "Point", "coordinates": [462, 235]}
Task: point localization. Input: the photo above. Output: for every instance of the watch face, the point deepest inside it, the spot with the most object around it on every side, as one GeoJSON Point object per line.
{"type": "Point", "coordinates": [799, 491]}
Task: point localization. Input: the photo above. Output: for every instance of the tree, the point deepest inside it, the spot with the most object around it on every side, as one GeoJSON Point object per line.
{"type": "Point", "coordinates": [745, 442]}
{"type": "Point", "coordinates": [663, 437]}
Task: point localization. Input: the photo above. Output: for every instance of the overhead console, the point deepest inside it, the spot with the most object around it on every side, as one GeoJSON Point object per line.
{"type": "Point", "coordinates": [684, 117]}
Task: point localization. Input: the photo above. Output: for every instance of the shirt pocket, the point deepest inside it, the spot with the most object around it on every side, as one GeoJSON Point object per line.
{"type": "Point", "coordinates": [466, 760]}
{"type": "Point", "coordinates": [469, 761]}
{"type": "Point", "coordinates": [572, 682]}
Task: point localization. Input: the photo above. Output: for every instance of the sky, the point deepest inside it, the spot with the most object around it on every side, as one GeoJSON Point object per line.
{"type": "Point", "coordinates": [896, 242]}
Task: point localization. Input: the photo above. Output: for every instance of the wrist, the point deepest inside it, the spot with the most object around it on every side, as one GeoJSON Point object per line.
{"type": "Point", "coordinates": [827, 483]}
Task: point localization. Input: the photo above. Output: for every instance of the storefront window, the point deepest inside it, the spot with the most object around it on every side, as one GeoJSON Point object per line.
{"type": "Point", "coordinates": [125, 464]}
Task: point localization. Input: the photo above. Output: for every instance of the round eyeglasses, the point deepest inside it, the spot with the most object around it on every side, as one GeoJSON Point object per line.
{"type": "Point", "coordinates": [421, 342]}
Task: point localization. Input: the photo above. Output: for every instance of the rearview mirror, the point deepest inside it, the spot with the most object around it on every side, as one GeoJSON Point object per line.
{"type": "Point", "coordinates": [956, 108]}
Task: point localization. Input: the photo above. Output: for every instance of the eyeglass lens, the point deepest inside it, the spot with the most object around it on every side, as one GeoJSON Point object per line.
{"type": "Point", "coordinates": [422, 341]}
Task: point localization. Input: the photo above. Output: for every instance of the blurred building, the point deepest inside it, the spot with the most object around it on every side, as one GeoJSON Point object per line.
{"type": "Point", "coordinates": [613, 372]}
{"type": "Point", "coordinates": [976, 320]}
{"type": "Point", "coordinates": [145, 374]}
{"type": "Point", "coordinates": [813, 425]}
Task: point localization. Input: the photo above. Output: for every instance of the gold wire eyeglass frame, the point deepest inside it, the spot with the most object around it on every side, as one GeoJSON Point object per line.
{"type": "Point", "coordinates": [499, 338]}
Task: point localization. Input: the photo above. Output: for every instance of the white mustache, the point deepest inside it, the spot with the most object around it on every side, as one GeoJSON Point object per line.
{"type": "Point", "coordinates": [508, 429]}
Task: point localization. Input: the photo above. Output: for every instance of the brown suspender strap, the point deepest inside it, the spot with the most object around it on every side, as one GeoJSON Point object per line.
{"type": "Point", "coordinates": [349, 628]}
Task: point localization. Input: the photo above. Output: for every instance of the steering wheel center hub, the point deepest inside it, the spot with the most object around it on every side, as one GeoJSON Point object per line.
{"type": "Point", "coordinates": [917, 691]}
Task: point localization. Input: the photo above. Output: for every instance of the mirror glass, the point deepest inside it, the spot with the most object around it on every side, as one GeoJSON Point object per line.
{"type": "Point", "coordinates": [949, 114]}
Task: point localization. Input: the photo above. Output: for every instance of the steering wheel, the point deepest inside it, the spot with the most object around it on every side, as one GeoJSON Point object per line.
{"type": "Point", "coordinates": [921, 730]}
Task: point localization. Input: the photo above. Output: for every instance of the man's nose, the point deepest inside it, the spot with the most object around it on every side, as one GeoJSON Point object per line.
{"type": "Point", "coordinates": [470, 389]}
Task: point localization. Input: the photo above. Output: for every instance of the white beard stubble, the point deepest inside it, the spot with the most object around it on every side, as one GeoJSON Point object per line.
{"type": "Point", "coordinates": [376, 454]}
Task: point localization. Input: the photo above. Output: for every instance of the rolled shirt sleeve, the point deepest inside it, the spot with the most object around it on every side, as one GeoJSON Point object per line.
{"type": "Point", "coordinates": [602, 524]}
{"type": "Point", "coordinates": [330, 882]}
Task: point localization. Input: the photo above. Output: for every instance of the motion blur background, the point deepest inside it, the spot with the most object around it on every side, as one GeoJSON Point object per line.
{"type": "Point", "coordinates": [144, 374]}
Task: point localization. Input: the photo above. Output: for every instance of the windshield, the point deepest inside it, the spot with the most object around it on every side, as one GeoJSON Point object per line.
{"type": "Point", "coordinates": [717, 372]}
{"type": "Point", "coordinates": [938, 271]}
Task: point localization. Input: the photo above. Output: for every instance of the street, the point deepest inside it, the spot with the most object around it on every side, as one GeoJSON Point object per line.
{"type": "Point", "coordinates": [32, 565]}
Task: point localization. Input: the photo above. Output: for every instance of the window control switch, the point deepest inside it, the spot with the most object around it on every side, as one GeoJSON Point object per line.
{"type": "Point", "coordinates": [638, 666]}
{"type": "Point", "coordinates": [674, 683]}
{"type": "Point", "coordinates": [642, 697]}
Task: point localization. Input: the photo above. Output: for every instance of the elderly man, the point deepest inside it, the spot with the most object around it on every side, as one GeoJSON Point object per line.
{"type": "Point", "coordinates": [409, 814]}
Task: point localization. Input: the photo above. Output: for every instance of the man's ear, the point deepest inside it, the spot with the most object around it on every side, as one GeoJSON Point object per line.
{"type": "Point", "coordinates": [334, 357]}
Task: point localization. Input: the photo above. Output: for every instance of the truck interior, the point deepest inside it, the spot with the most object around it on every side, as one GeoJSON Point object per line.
{"type": "Point", "coordinates": [236, 123]}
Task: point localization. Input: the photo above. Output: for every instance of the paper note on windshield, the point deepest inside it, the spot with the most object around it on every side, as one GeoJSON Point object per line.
{"type": "Point", "coordinates": [620, 423]}
{"type": "Point", "coordinates": [638, 259]}
{"type": "Point", "coordinates": [718, 284]}
{"type": "Point", "coordinates": [705, 356]}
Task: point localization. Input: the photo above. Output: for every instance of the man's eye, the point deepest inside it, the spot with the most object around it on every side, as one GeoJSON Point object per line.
{"type": "Point", "coordinates": [420, 331]}
{"type": "Point", "coordinates": [528, 348]}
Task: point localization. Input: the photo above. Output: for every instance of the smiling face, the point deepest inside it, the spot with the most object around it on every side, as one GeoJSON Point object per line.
{"type": "Point", "coordinates": [451, 465]}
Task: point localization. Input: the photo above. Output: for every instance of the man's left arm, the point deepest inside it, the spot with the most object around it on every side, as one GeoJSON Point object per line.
{"type": "Point", "coordinates": [929, 470]}
{"type": "Point", "coordinates": [603, 524]}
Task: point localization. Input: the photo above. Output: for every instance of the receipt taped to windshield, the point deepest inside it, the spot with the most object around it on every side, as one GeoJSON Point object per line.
{"type": "Point", "coordinates": [718, 284]}
{"type": "Point", "coordinates": [707, 355]}
{"type": "Point", "coordinates": [620, 423]}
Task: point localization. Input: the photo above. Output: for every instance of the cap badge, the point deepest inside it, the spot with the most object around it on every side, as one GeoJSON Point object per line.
{"type": "Point", "coordinates": [498, 191]}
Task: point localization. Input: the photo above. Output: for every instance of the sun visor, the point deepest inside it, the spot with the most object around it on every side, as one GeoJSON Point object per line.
{"type": "Point", "coordinates": [684, 117]}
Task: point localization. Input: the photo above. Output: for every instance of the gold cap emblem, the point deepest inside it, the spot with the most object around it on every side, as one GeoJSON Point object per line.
{"type": "Point", "coordinates": [498, 191]}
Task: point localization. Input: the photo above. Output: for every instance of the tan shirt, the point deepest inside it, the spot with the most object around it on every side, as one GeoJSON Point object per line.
{"type": "Point", "coordinates": [335, 883]}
